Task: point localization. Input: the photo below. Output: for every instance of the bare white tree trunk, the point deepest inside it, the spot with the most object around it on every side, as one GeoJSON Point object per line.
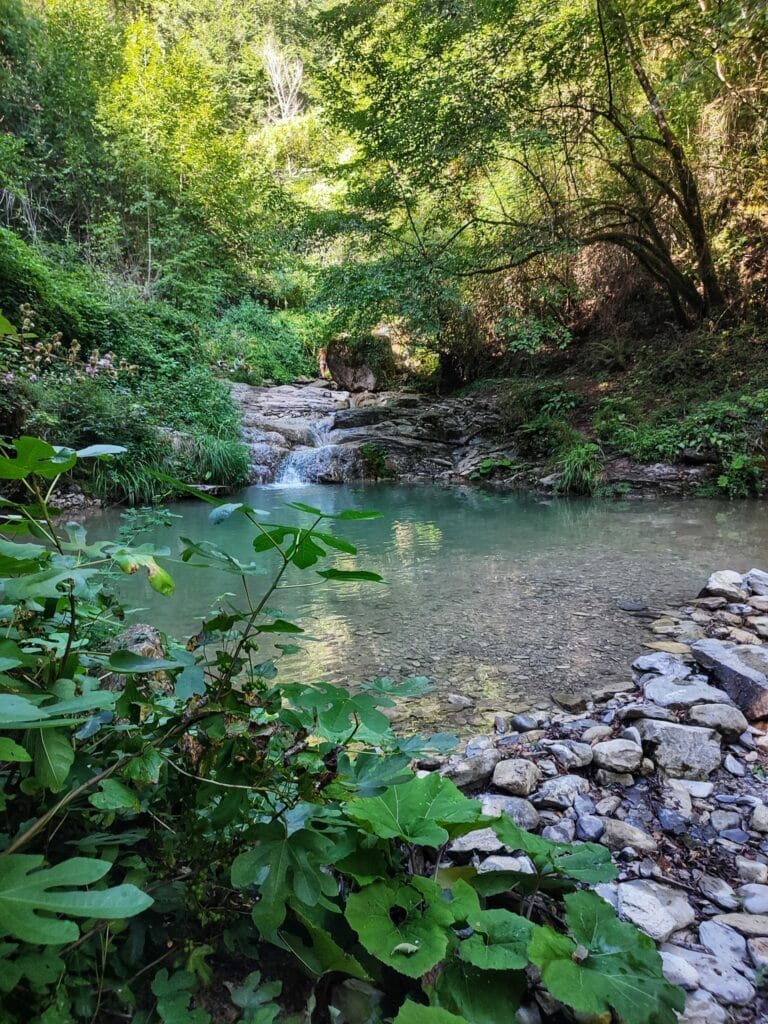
{"type": "Point", "coordinates": [285, 77]}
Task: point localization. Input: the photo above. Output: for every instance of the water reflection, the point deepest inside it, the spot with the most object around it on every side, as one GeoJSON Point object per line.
{"type": "Point", "coordinates": [501, 597]}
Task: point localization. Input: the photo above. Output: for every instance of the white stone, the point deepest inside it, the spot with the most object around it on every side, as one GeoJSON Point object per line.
{"type": "Point", "coordinates": [719, 978]}
{"type": "Point", "coordinates": [752, 870]}
{"type": "Point", "coordinates": [482, 840]}
{"type": "Point", "coordinates": [518, 776]}
{"type": "Point", "coordinates": [754, 898]}
{"type": "Point", "coordinates": [701, 1008]}
{"type": "Point", "coordinates": [656, 909]}
{"type": "Point", "coordinates": [753, 926]}
{"type": "Point", "coordinates": [698, 789]}
{"type": "Point", "coordinates": [679, 972]}
{"type": "Point", "coordinates": [523, 865]}
{"type": "Point", "coordinates": [759, 819]}
{"type": "Point", "coordinates": [724, 943]}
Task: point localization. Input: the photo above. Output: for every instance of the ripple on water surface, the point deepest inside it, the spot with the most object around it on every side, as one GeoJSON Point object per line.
{"type": "Point", "coordinates": [504, 598]}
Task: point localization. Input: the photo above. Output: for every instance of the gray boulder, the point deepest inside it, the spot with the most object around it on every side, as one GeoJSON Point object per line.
{"type": "Point", "coordinates": [668, 692]}
{"type": "Point", "coordinates": [471, 771]}
{"type": "Point", "coordinates": [728, 584]}
{"type": "Point", "coordinates": [683, 751]}
{"type": "Point", "coordinates": [560, 792]}
{"type": "Point", "coordinates": [663, 664]}
{"type": "Point", "coordinates": [518, 776]}
{"type": "Point", "coordinates": [741, 670]}
{"type": "Point", "coordinates": [522, 812]}
{"type": "Point", "coordinates": [723, 717]}
{"type": "Point", "coordinates": [618, 755]}
{"type": "Point", "coordinates": [757, 581]}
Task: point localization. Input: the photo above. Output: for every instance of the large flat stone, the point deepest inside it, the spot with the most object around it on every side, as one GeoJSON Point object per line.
{"type": "Point", "coordinates": [685, 751]}
{"type": "Point", "coordinates": [674, 693]}
{"type": "Point", "coordinates": [741, 670]}
{"type": "Point", "coordinates": [656, 909]}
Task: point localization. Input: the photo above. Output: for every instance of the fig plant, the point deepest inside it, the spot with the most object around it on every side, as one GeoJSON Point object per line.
{"type": "Point", "coordinates": [188, 840]}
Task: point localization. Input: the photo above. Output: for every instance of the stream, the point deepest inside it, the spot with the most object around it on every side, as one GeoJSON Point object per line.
{"type": "Point", "coordinates": [504, 598]}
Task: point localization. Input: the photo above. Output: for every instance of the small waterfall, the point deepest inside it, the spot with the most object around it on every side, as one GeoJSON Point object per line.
{"type": "Point", "coordinates": [327, 464]}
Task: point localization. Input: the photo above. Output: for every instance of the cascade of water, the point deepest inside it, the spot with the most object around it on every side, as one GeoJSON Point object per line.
{"type": "Point", "coordinates": [328, 463]}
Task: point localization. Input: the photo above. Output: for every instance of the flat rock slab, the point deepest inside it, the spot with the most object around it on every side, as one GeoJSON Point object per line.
{"type": "Point", "coordinates": [741, 670]}
{"type": "Point", "coordinates": [658, 910]}
{"type": "Point", "coordinates": [752, 926]}
{"type": "Point", "coordinates": [668, 692]}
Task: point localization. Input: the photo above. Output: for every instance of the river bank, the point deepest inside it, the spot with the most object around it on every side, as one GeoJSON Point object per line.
{"type": "Point", "coordinates": [670, 776]}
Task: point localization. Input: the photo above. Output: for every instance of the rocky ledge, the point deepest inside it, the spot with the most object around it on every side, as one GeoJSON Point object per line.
{"type": "Point", "coordinates": [312, 431]}
{"type": "Point", "coordinates": [670, 777]}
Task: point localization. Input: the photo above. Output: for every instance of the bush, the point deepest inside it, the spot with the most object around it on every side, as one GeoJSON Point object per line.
{"type": "Point", "coordinates": [251, 344]}
{"type": "Point", "coordinates": [80, 414]}
{"type": "Point", "coordinates": [211, 831]}
{"type": "Point", "coordinates": [581, 468]}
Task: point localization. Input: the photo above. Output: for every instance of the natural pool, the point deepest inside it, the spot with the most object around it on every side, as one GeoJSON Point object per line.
{"type": "Point", "coordinates": [501, 597]}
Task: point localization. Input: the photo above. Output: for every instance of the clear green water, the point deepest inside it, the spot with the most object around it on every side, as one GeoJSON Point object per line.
{"type": "Point", "coordinates": [504, 598]}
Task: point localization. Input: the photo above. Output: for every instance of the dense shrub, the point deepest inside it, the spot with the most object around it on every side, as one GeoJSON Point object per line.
{"type": "Point", "coordinates": [252, 344]}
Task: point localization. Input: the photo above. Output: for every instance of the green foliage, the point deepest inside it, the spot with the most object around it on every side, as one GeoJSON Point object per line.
{"type": "Point", "coordinates": [252, 344]}
{"type": "Point", "coordinates": [581, 468]}
{"type": "Point", "coordinates": [234, 813]}
{"type": "Point", "coordinates": [376, 461]}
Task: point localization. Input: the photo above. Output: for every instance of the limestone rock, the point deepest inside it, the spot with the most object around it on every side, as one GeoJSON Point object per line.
{"type": "Point", "coordinates": [757, 582]}
{"type": "Point", "coordinates": [723, 717]}
{"type": "Point", "coordinates": [726, 944]}
{"type": "Point", "coordinates": [663, 664]}
{"type": "Point", "coordinates": [482, 840]}
{"type": "Point", "coordinates": [619, 834]}
{"type": "Point", "coordinates": [728, 584]}
{"type": "Point", "coordinates": [702, 1008]}
{"type": "Point", "coordinates": [471, 771]}
{"type": "Point", "coordinates": [618, 755]}
{"type": "Point", "coordinates": [758, 951]}
{"type": "Point", "coordinates": [571, 754]}
{"type": "Point", "coordinates": [759, 819]}
{"type": "Point", "coordinates": [679, 972]}
{"type": "Point", "coordinates": [755, 898]}
{"type": "Point", "coordinates": [499, 862]}
{"type": "Point", "coordinates": [671, 693]}
{"type": "Point", "coordinates": [682, 750]}
{"type": "Point", "coordinates": [752, 926]}
{"type": "Point", "coordinates": [718, 891]}
{"type": "Point", "coordinates": [656, 909]}
{"type": "Point", "coordinates": [518, 776]}
{"type": "Point", "coordinates": [752, 870]}
{"type": "Point", "coordinates": [722, 980]}
{"type": "Point", "coordinates": [560, 792]}
{"type": "Point", "coordinates": [741, 671]}
{"type": "Point", "coordinates": [521, 811]}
